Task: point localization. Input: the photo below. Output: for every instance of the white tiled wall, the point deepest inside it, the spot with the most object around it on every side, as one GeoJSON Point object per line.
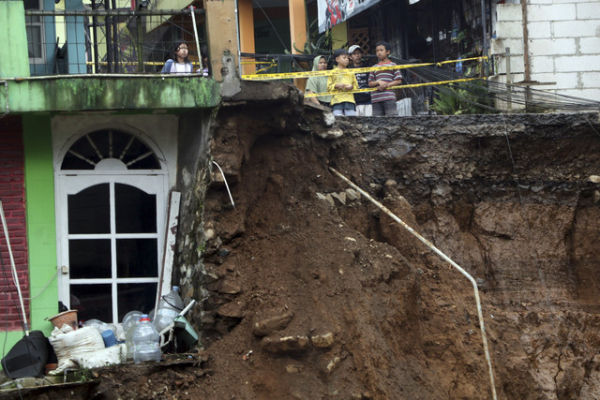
{"type": "Point", "coordinates": [564, 44]}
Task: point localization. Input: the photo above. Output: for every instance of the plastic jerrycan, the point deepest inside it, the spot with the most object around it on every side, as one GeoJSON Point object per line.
{"type": "Point", "coordinates": [146, 341]}
{"type": "Point", "coordinates": [169, 306]}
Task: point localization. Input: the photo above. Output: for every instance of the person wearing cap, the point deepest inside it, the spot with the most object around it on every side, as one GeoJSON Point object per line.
{"type": "Point", "coordinates": [342, 82]}
{"type": "Point", "coordinates": [363, 100]}
{"type": "Point", "coordinates": [318, 84]}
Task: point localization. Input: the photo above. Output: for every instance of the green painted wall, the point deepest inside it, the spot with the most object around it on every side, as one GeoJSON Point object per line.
{"type": "Point", "coordinates": [109, 93]}
{"type": "Point", "coordinates": [14, 60]}
{"type": "Point", "coordinates": [41, 229]}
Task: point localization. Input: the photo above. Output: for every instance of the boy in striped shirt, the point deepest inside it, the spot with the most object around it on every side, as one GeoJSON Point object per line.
{"type": "Point", "coordinates": [384, 101]}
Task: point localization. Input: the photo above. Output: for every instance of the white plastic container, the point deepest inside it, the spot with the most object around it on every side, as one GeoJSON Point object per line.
{"type": "Point", "coordinates": [146, 341]}
{"type": "Point", "coordinates": [130, 321]}
{"type": "Point", "coordinates": [169, 306]}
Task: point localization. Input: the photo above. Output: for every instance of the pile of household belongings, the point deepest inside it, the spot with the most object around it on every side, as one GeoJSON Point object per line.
{"type": "Point", "coordinates": [96, 344]}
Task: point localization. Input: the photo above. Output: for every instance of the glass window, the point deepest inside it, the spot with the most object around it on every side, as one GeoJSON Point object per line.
{"type": "Point", "coordinates": [89, 258]}
{"type": "Point", "coordinates": [135, 296]}
{"type": "Point", "coordinates": [89, 210]}
{"type": "Point", "coordinates": [137, 258]}
{"type": "Point", "coordinates": [135, 210]}
{"type": "Point", "coordinates": [92, 148]}
{"type": "Point", "coordinates": [35, 32]}
{"type": "Point", "coordinates": [92, 301]}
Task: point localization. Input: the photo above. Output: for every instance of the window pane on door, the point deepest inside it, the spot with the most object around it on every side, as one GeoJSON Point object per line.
{"type": "Point", "coordinates": [92, 301]}
{"type": "Point", "coordinates": [135, 296]}
{"type": "Point", "coordinates": [137, 258]}
{"type": "Point", "coordinates": [89, 258]}
{"type": "Point", "coordinates": [89, 210]}
{"type": "Point", "coordinates": [135, 210]}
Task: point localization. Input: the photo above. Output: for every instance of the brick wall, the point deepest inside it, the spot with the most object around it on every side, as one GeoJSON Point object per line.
{"type": "Point", "coordinates": [564, 44]}
{"type": "Point", "coordinates": [12, 195]}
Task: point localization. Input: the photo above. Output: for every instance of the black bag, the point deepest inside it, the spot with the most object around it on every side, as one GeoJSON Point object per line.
{"type": "Point", "coordinates": [28, 357]}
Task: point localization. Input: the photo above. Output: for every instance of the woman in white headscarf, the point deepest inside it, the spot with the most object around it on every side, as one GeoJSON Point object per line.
{"type": "Point", "coordinates": [318, 84]}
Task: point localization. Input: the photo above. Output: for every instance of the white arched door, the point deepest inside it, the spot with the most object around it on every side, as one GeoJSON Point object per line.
{"type": "Point", "coordinates": [110, 224]}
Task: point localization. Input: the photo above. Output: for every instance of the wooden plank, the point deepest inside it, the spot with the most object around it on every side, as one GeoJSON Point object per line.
{"type": "Point", "coordinates": [164, 281]}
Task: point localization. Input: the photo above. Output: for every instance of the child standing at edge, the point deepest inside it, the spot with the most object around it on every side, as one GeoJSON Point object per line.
{"type": "Point", "coordinates": [363, 100]}
{"type": "Point", "coordinates": [344, 81]}
{"type": "Point", "coordinates": [384, 101]}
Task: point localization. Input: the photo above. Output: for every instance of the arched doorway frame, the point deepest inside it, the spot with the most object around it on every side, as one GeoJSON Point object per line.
{"type": "Point", "coordinates": [68, 182]}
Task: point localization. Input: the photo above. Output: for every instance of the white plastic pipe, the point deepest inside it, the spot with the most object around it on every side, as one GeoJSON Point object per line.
{"type": "Point", "coordinates": [226, 185]}
{"type": "Point", "coordinates": [192, 9]}
{"type": "Point", "coordinates": [14, 269]}
{"type": "Point", "coordinates": [445, 258]}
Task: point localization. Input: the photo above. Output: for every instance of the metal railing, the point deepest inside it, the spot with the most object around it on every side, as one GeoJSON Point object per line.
{"type": "Point", "coordinates": [110, 40]}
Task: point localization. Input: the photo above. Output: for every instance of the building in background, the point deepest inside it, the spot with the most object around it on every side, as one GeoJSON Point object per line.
{"type": "Point", "coordinates": [92, 147]}
{"type": "Point", "coordinates": [554, 45]}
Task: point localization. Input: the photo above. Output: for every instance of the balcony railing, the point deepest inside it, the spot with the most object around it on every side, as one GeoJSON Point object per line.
{"type": "Point", "coordinates": [111, 41]}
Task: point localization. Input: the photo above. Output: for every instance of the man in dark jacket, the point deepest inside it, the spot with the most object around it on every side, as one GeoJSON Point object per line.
{"type": "Point", "coordinates": [363, 100]}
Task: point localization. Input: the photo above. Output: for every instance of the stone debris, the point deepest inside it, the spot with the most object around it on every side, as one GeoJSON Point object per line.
{"type": "Point", "coordinates": [352, 194]}
{"type": "Point", "coordinates": [327, 198]}
{"type": "Point", "coordinates": [341, 197]}
{"type": "Point", "coordinates": [331, 365]}
{"type": "Point", "coordinates": [235, 309]}
{"type": "Point", "coordinates": [209, 234]}
{"type": "Point", "coordinates": [293, 368]}
{"type": "Point", "coordinates": [594, 178]}
{"type": "Point", "coordinates": [229, 287]}
{"type": "Point", "coordinates": [328, 118]}
{"type": "Point", "coordinates": [332, 133]}
{"type": "Point", "coordinates": [269, 325]}
{"type": "Point", "coordinates": [286, 344]}
{"type": "Point", "coordinates": [323, 341]}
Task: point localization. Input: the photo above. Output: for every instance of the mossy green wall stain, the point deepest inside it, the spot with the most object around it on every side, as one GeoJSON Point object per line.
{"type": "Point", "coordinates": [41, 228]}
{"type": "Point", "coordinates": [14, 60]}
{"type": "Point", "coordinates": [95, 94]}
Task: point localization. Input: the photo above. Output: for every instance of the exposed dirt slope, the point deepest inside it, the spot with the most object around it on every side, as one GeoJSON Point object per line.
{"type": "Point", "coordinates": [314, 296]}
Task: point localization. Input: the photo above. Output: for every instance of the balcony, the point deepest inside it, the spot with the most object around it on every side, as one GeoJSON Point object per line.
{"type": "Point", "coordinates": [96, 40]}
{"type": "Point", "coordinates": [110, 60]}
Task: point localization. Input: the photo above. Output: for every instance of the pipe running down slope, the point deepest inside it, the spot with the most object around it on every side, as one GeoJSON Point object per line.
{"type": "Point", "coordinates": [445, 258]}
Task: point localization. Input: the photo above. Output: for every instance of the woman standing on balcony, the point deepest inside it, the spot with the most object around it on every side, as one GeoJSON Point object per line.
{"type": "Point", "coordinates": [180, 63]}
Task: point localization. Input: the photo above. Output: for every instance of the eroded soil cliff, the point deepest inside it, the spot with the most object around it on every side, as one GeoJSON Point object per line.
{"type": "Point", "coordinates": [312, 293]}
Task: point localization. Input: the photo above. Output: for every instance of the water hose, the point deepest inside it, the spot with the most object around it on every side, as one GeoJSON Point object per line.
{"type": "Point", "coordinates": [445, 258]}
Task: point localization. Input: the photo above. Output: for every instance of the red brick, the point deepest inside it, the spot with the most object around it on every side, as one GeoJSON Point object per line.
{"type": "Point", "coordinates": [12, 194]}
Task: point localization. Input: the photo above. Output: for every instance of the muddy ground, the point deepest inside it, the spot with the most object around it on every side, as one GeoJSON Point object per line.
{"type": "Point", "coordinates": [313, 293]}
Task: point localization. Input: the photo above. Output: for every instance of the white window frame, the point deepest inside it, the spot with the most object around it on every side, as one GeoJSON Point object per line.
{"type": "Point", "coordinates": [74, 183]}
{"type": "Point", "coordinates": [40, 24]}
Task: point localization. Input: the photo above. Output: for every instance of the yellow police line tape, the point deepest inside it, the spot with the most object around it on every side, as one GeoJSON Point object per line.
{"type": "Point", "coordinates": [269, 64]}
{"type": "Point", "coordinates": [134, 62]}
{"type": "Point", "coordinates": [258, 62]}
{"type": "Point", "coordinates": [329, 72]}
{"type": "Point", "coordinates": [412, 85]}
